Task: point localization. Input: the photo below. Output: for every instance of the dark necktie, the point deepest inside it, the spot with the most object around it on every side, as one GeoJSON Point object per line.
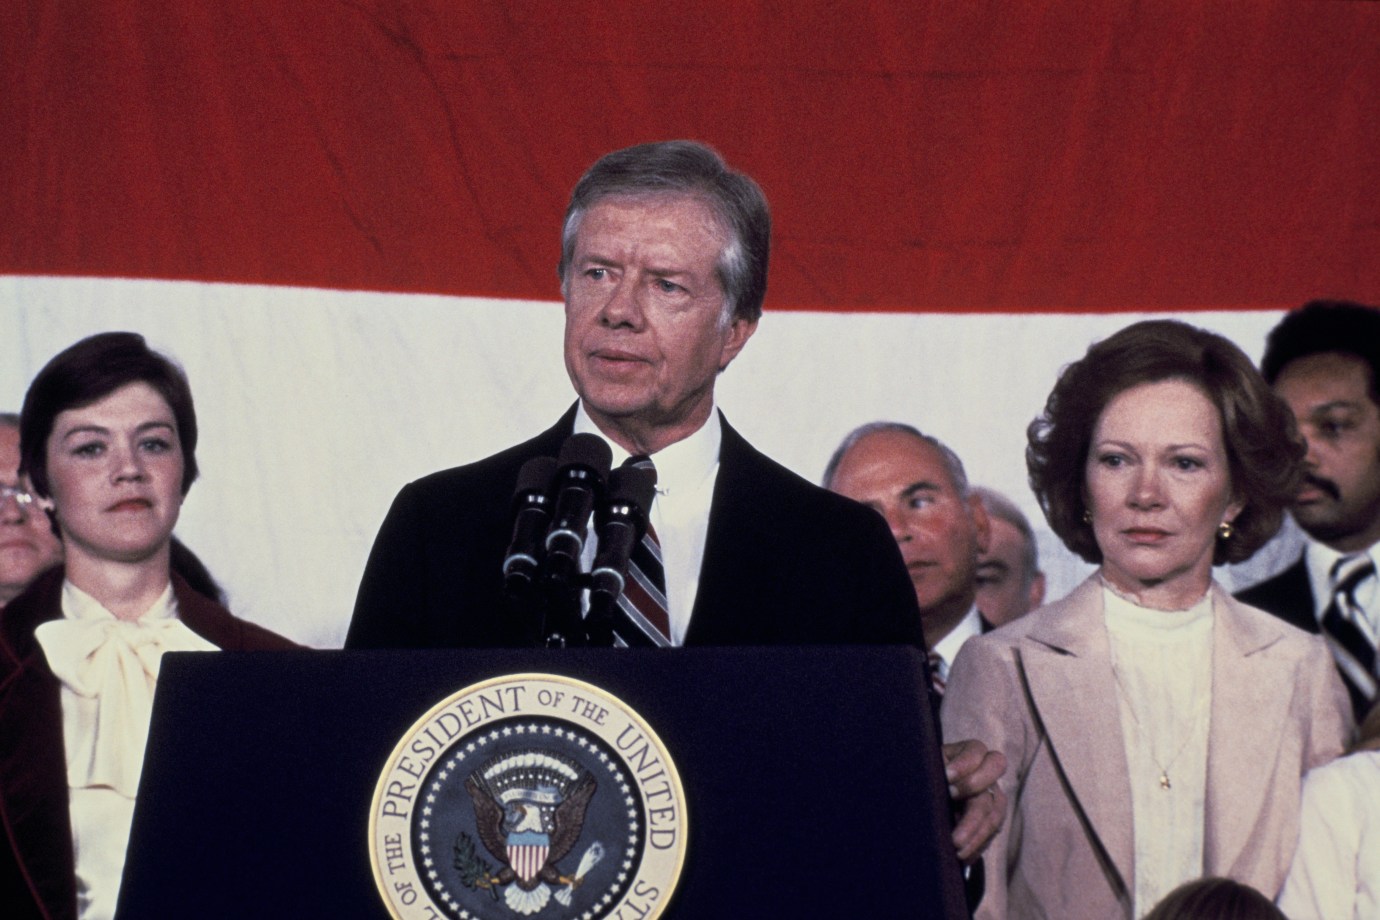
{"type": "Point", "coordinates": [642, 610]}
{"type": "Point", "coordinates": [1348, 634]}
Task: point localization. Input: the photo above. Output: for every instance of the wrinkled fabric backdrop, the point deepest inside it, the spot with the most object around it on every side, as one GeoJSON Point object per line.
{"type": "Point", "coordinates": [343, 220]}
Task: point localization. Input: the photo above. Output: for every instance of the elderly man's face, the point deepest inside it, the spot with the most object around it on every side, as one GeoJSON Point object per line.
{"type": "Point", "coordinates": [1006, 590]}
{"type": "Point", "coordinates": [644, 330]}
{"type": "Point", "coordinates": [27, 543]}
{"type": "Point", "coordinates": [939, 531]}
{"type": "Point", "coordinates": [1329, 394]}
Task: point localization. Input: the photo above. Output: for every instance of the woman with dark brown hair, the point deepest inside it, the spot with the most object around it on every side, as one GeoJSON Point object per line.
{"type": "Point", "coordinates": [1155, 729]}
{"type": "Point", "coordinates": [108, 439]}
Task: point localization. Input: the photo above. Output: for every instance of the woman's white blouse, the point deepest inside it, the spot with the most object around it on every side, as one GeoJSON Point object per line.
{"type": "Point", "coordinates": [1162, 661]}
{"type": "Point", "coordinates": [108, 669]}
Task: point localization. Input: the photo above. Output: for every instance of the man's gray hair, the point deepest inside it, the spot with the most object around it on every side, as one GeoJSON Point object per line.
{"type": "Point", "coordinates": [689, 168]}
{"type": "Point", "coordinates": [952, 464]}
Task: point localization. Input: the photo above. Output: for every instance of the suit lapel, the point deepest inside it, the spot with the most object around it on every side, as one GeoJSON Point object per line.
{"type": "Point", "coordinates": [33, 765]}
{"type": "Point", "coordinates": [731, 541]}
{"type": "Point", "coordinates": [1249, 713]}
{"type": "Point", "coordinates": [1066, 662]}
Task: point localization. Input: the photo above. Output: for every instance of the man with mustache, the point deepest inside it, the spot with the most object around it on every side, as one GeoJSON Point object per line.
{"type": "Point", "coordinates": [1324, 361]}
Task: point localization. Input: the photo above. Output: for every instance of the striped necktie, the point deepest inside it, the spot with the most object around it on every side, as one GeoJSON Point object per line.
{"type": "Point", "coordinates": [1349, 633]}
{"type": "Point", "coordinates": [938, 672]}
{"type": "Point", "coordinates": [643, 619]}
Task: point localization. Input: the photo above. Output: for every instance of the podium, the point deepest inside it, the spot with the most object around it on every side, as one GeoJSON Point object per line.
{"type": "Point", "coordinates": [812, 785]}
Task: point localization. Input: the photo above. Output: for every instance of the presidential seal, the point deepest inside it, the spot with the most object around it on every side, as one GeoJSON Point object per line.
{"type": "Point", "coordinates": [529, 795]}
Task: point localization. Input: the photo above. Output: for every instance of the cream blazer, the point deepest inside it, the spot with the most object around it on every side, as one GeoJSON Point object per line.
{"type": "Point", "coordinates": [1041, 691]}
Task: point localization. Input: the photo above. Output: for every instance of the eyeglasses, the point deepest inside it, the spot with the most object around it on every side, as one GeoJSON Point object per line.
{"type": "Point", "coordinates": [22, 496]}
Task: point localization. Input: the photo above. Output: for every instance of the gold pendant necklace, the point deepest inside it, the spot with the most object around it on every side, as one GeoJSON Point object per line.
{"type": "Point", "coordinates": [1145, 735]}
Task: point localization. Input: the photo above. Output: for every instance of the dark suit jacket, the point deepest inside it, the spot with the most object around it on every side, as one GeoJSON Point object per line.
{"type": "Point", "coordinates": [785, 562]}
{"type": "Point", "coordinates": [37, 874]}
{"type": "Point", "coordinates": [1287, 595]}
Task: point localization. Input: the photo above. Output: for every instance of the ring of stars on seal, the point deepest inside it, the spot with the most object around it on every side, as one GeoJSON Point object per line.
{"type": "Point", "coordinates": [541, 798]}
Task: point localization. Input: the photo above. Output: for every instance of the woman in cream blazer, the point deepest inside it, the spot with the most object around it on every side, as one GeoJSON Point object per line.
{"type": "Point", "coordinates": [1155, 729]}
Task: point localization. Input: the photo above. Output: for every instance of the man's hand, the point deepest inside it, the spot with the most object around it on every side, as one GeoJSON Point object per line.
{"type": "Point", "coordinates": [972, 772]}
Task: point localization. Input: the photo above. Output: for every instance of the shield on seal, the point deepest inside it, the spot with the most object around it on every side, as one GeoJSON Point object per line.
{"type": "Point", "coordinates": [529, 810]}
{"type": "Point", "coordinates": [527, 854]}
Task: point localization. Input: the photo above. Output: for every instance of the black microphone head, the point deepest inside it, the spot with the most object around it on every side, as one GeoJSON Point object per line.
{"type": "Point", "coordinates": [634, 485]}
{"type": "Point", "coordinates": [536, 475]}
{"type": "Point", "coordinates": [587, 450]}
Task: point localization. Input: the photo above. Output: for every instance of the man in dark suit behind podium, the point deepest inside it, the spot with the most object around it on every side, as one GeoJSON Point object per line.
{"type": "Point", "coordinates": [663, 271]}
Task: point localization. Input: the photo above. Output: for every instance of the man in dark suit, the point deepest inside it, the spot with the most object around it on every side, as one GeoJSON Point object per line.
{"type": "Point", "coordinates": [918, 485]}
{"type": "Point", "coordinates": [1324, 361]}
{"type": "Point", "coordinates": [771, 574]}
{"type": "Point", "coordinates": [663, 271]}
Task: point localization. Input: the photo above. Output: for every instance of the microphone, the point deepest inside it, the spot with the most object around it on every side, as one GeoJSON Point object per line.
{"type": "Point", "coordinates": [620, 523]}
{"type": "Point", "coordinates": [531, 517]}
{"type": "Point", "coordinates": [583, 465]}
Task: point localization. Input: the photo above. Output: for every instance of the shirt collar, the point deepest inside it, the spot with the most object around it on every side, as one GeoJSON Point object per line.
{"type": "Point", "coordinates": [680, 467]}
{"type": "Point", "coordinates": [1124, 616]}
{"type": "Point", "coordinates": [969, 626]}
{"type": "Point", "coordinates": [1319, 560]}
{"type": "Point", "coordinates": [78, 605]}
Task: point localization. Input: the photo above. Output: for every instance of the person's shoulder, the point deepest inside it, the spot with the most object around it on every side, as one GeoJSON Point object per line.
{"type": "Point", "coordinates": [1272, 625]}
{"type": "Point", "coordinates": [744, 468]}
{"type": "Point", "coordinates": [256, 638]}
{"type": "Point", "coordinates": [1285, 648]}
{"type": "Point", "coordinates": [496, 473]}
{"type": "Point", "coordinates": [1351, 777]}
{"type": "Point", "coordinates": [987, 664]}
{"type": "Point", "coordinates": [1269, 593]}
{"type": "Point", "coordinates": [1016, 630]}
{"type": "Point", "coordinates": [1003, 641]}
{"type": "Point", "coordinates": [21, 616]}
{"type": "Point", "coordinates": [1045, 623]}
{"type": "Point", "coordinates": [219, 626]}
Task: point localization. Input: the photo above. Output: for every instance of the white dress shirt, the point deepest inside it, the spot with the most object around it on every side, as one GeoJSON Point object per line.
{"type": "Point", "coordinates": [1336, 871]}
{"type": "Point", "coordinates": [108, 669]}
{"type": "Point", "coordinates": [685, 475]}
{"type": "Point", "coordinates": [1320, 559]}
{"type": "Point", "coordinates": [947, 647]}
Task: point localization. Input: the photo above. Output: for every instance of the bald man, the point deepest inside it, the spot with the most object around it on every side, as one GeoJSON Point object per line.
{"type": "Point", "coordinates": [918, 485]}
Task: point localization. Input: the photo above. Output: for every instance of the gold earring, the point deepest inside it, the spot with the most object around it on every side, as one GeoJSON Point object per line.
{"type": "Point", "coordinates": [1225, 530]}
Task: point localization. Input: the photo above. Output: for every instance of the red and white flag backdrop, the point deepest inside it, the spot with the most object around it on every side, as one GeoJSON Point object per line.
{"type": "Point", "coordinates": [342, 218]}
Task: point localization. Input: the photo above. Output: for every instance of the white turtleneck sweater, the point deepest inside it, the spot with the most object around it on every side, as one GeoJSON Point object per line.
{"type": "Point", "coordinates": [1162, 662]}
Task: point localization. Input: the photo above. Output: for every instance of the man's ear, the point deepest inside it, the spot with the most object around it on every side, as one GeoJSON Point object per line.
{"type": "Point", "coordinates": [982, 524]}
{"type": "Point", "coordinates": [739, 331]}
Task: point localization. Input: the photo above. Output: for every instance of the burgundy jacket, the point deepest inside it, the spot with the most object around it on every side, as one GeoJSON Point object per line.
{"type": "Point", "coordinates": [37, 874]}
